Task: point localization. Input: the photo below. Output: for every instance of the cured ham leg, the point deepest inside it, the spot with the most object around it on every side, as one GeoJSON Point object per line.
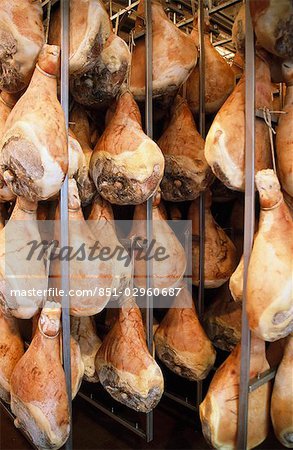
{"type": "Point", "coordinates": [238, 30]}
{"type": "Point", "coordinates": [172, 63]}
{"type": "Point", "coordinates": [79, 170]}
{"type": "Point", "coordinates": [186, 170]}
{"type": "Point", "coordinates": [126, 369]}
{"type": "Point", "coordinates": [34, 143]}
{"type": "Point", "coordinates": [93, 275]}
{"type": "Point", "coordinates": [272, 21]}
{"type": "Point", "coordinates": [81, 129]}
{"type": "Point", "coordinates": [77, 366]}
{"type": "Point", "coordinates": [11, 350]}
{"type": "Point", "coordinates": [84, 331]}
{"type": "Point", "coordinates": [99, 60]}
{"type": "Point", "coordinates": [100, 85]}
{"type": "Point", "coordinates": [220, 252]}
{"type": "Point", "coordinates": [219, 410]}
{"type": "Point", "coordinates": [126, 165]}
{"type": "Point", "coordinates": [101, 223]}
{"type": "Point", "coordinates": [7, 102]}
{"type": "Point", "coordinates": [270, 282]}
{"type": "Point", "coordinates": [236, 282]}
{"type": "Point", "coordinates": [181, 342]}
{"type": "Point", "coordinates": [282, 398]}
{"type": "Point", "coordinates": [169, 269]}
{"type": "Point", "coordinates": [225, 141]}
{"type": "Point", "coordinates": [222, 321]}
{"type": "Point", "coordinates": [21, 39]}
{"type": "Point", "coordinates": [21, 229]}
{"type": "Point", "coordinates": [284, 138]}
{"type": "Point", "coordinates": [38, 388]}
{"type": "Point", "coordinates": [219, 77]}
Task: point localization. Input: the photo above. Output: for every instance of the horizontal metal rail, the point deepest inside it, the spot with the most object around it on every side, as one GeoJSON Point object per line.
{"type": "Point", "coordinates": [261, 379]}
{"type": "Point", "coordinates": [222, 42]}
{"type": "Point", "coordinates": [211, 12]}
{"type": "Point", "coordinates": [222, 6]}
{"type": "Point", "coordinates": [124, 10]}
{"type": "Point", "coordinates": [110, 412]}
{"type": "Point", "coordinates": [181, 401]}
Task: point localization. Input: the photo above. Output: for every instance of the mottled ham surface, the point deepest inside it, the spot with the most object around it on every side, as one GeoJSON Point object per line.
{"type": "Point", "coordinates": [21, 39]}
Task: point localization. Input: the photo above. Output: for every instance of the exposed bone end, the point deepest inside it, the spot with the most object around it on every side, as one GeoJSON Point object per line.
{"type": "Point", "coordinates": [49, 321]}
{"type": "Point", "coordinates": [268, 187]}
{"type": "Point", "coordinates": [49, 59]}
{"type": "Point", "coordinates": [287, 71]}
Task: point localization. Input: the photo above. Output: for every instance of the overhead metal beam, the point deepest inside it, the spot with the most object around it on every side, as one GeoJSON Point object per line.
{"type": "Point", "coordinates": [124, 10]}
{"type": "Point", "coordinates": [222, 42]}
{"type": "Point", "coordinates": [222, 6]}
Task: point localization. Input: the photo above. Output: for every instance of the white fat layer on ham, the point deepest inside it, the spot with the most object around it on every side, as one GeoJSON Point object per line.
{"type": "Point", "coordinates": [96, 14]}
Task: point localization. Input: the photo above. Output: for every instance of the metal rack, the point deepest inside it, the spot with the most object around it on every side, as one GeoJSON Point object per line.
{"type": "Point", "coordinates": [247, 385]}
{"type": "Point", "coordinates": [147, 434]}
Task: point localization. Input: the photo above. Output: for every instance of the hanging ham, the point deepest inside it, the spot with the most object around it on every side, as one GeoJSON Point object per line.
{"type": "Point", "coordinates": [21, 39]}
{"type": "Point", "coordinates": [270, 283]}
{"type": "Point", "coordinates": [126, 165]}
{"type": "Point", "coordinates": [98, 59]}
{"type": "Point", "coordinates": [92, 275]}
{"type": "Point", "coordinates": [220, 252]}
{"type": "Point", "coordinates": [282, 398]}
{"type": "Point", "coordinates": [186, 170]}
{"type": "Point", "coordinates": [219, 77]}
{"type": "Point", "coordinates": [169, 267]}
{"type": "Point", "coordinates": [126, 369]}
{"type": "Point", "coordinates": [102, 225]}
{"type": "Point", "coordinates": [81, 128]}
{"type": "Point", "coordinates": [37, 125]}
{"type": "Point", "coordinates": [225, 141]}
{"type": "Point", "coordinates": [11, 350]}
{"type": "Point", "coordinates": [222, 320]}
{"type": "Point", "coordinates": [219, 410]}
{"type": "Point", "coordinates": [79, 170]}
{"type": "Point", "coordinates": [76, 362]}
{"type": "Point", "coordinates": [236, 282]}
{"type": "Point", "coordinates": [172, 63]}
{"type": "Point", "coordinates": [284, 138]}
{"type": "Point", "coordinates": [16, 281]}
{"type": "Point", "coordinates": [84, 331]}
{"type": "Point", "coordinates": [272, 21]}
{"type": "Point", "coordinates": [181, 343]}
{"type": "Point", "coordinates": [38, 388]}
{"type": "Point", "coordinates": [238, 31]}
{"type": "Point", "coordinates": [77, 366]}
{"type": "Point", "coordinates": [7, 102]}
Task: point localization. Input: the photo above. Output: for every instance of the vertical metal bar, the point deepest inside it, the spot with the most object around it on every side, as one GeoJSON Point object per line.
{"type": "Point", "coordinates": [64, 227]}
{"type": "Point", "coordinates": [248, 226]}
{"type": "Point", "coordinates": [149, 131]}
{"type": "Point", "coordinates": [202, 195]}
